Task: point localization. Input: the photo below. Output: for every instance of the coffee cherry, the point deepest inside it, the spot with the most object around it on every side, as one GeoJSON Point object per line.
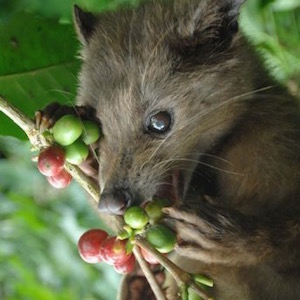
{"type": "Point", "coordinates": [113, 251]}
{"type": "Point", "coordinates": [67, 130]}
{"type": "Point", "coordinates": [148, 257]}
{"type": "Point", "coordinates": [154, 209]}
{"type": "Point", "coordinates": [91, 132]}
{"type": "Point", "coordinates": [61, 180]}
{"type": "Point", "coordinates": [89, 245]}
{"type": "Point", "coordinates": [126, 267]}
{"type": "Point", "coordinates": [51, 161]}
{"type": "Point", "coordinates": [136, 217]}
{"type": "Point", "coordinates": [204, 280]}
{"type": "Point", "coordinates": [192, 295]}
{"type": "Point", "coordinates": [161, 237]}
{"type": "Point", "coordinates": [77, 152]}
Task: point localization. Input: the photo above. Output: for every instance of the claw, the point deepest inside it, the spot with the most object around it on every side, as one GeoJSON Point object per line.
{"type": "Point", "coordinates": [38, 117]}
{"type": "Point", "coordinates": [44, 118]}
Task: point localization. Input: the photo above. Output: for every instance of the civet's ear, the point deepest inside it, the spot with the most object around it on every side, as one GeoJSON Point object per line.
{"type": "Point", "coordinates": [232, 9]}
{"type": "Point", "coordinates": [205, 28]}
{"type": "Point", "coordinates": [85, 24]}
{"type": "Point", "coordinates": [234, 6]}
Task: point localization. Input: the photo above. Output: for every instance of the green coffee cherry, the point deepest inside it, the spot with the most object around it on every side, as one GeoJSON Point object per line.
{"type": "Point", "coordinates": [203, 280]}
{"type": "Point", "coordinates": [77, 152]}
{"type": "Point", "coordinates": [162, 238]}
{"type": "Point", "coordinates": [136, 217]}
{"type": "Point", "coordinates": [91, 132]}
{"type": "Point", "coordinates": [192, 295]}
{"type": "Point", "coordinates": [67, 130]}
{"type": "Point", "coordinates": [154, 210]}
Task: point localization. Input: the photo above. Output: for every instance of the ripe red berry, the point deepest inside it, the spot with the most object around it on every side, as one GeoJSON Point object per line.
{"type": "Point", "coordinates": [148, 257]}
{"type": "Point", "coordinates": [61, 180]}
{"type": "Point", "coordinates": [113, 251]}
{"type": "Point", "coordinates": [51, 161]}
{"type": "Point", "coordinates": [126, 267]}
{"type": "Point", "coordinates": [89, 245]}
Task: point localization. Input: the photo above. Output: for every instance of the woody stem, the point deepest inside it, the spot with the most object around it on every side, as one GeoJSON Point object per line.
{"type": "Point", "coordinates": [182, 278]}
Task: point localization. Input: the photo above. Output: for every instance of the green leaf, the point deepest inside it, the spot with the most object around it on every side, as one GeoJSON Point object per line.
{"type": "Point", "coordinates": [275, 34]}
{"type": "Point", "coordinates": [57, 8]}
{"type": "Point", "coordinates": [38, 65]}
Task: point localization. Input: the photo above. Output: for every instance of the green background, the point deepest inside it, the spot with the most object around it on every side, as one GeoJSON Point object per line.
{"type": "Point", "coordinates": [40, 226]}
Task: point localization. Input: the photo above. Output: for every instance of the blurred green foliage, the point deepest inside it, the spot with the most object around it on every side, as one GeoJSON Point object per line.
{"type": "Point", "coordinates": [61, 10]}
{"type": "Point", "coordinates": [273, 26]}
{"type": "Point", "coordinates": [39, 230]}
{"type": "Point", "coordinates": [40, 226]}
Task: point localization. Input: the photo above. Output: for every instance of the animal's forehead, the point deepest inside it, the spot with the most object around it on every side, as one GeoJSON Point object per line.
{"type": "Point", "coordinates": [127, 80]}
{"type": "Point", "coordinates": [151, 28]}
{"type": "Point", "coordinates": [120, 106]}
{"type": "Point", "coordinates": [136, 47]}
{"type": "Point", "coordinates": [127, 106]}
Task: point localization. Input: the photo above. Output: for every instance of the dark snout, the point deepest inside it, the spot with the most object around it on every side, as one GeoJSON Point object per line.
{"type": "Point", "coordinates": [114, 203]}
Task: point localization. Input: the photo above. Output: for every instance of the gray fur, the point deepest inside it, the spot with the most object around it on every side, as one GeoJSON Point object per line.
{"type": "Point", "coordinates": [233, 126]}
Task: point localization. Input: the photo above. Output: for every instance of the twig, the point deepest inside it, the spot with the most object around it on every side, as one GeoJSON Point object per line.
{"type": "Point", "coordinates": [182, 278]}
{"type": "Point", "coordinates": [86, 182]}
{"type": "Point", "coordinates": [25, 123]}
{"type": "Point", "coordinates": [149, 276]}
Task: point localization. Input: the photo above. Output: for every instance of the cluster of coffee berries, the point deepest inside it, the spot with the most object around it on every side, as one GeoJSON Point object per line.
{"type": "Point", "coordinates": [72, 137]}
{"type": "Point", "coordinates": [95, 245]}
{"type": "Point", "coordinates": [144, 221]}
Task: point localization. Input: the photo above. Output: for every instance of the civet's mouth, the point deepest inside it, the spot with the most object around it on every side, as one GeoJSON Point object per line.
{"type": "Point", "coordinates": [116, 202]}
{"type": "Point", "coordinates": [171, 188]}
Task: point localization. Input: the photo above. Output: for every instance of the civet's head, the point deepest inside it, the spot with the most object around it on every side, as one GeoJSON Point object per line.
{"type": "Point", "coordinates": [165, 79]}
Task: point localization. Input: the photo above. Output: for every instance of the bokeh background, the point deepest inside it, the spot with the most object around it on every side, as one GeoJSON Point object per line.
{"type": "Point", "coordinates": [40, 226]}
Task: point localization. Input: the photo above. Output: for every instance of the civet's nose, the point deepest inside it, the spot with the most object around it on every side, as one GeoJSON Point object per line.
{"type": "Point", "coordinates": [114, 203]}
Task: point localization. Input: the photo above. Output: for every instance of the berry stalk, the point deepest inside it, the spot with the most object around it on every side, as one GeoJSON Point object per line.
{"type": "Point", "coordinates": [148, 274]}
{"type": "Point", "coordinates": [182, 278]}
{"type": "Point", "coordinates": [26, 124]}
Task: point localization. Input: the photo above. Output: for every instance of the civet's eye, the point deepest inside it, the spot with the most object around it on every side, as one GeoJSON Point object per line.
{"type": "Point", "coordinates": [159, 122]}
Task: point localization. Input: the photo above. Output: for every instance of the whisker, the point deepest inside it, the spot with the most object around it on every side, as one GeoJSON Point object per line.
{"type": "Point", "coordinates": [226, 102]}
{"type": "Point", "coordinates": [130, 38]}
{"type": "Point", "coordinates": [198, 162]}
